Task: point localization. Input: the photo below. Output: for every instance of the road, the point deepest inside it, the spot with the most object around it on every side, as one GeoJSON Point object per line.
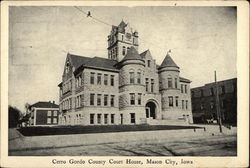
{"type": "Point", "coordinates": [218, 145]}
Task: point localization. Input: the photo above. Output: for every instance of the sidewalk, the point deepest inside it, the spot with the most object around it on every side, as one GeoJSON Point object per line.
{"type": "Point", "coordinates": [18, 142]}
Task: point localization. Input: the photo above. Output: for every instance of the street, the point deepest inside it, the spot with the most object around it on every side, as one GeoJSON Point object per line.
{"type": "Point", "coordinates": [217, 145]}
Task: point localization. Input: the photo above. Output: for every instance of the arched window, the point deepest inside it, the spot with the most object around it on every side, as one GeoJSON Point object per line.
{"type": "Point", "coordinates": [123, 50]}
{"type": "Point", "coordinates": [170, 82]}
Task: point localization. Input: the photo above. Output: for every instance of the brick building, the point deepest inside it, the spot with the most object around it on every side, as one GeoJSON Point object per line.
{"type": "Point", "coordinates": [44, 113]}
{"type": "Point", "coordinates": [125, 88]}
{"type": "Point", "coordinates": [204, 102]}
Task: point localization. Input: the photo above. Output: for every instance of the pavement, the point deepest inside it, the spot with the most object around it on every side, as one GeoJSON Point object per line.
{"type": "Point", "coordinates": [142, 143]}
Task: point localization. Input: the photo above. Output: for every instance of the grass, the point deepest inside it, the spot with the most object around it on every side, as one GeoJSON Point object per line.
{"type": "Point", "coordinates": [65, 130]}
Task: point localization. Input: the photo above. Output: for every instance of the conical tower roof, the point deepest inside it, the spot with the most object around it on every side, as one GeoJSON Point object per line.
{"type": "Point", "coordinates": [132, 54]}
{"type": "Point", "coordinates": [168, 62]}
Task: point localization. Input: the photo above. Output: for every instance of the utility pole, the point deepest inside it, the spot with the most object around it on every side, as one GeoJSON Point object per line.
{"type": "Point", "coordinates": [217, 103]}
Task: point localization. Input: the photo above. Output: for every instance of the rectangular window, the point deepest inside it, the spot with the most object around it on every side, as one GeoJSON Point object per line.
{"type": "Point", "coordinates": [99, 79]}
{"type": "Point", "coordinates": [112, 80]}
{"type": "Point", "coordinates": [146, 84]}
{"type": "Point", "coordinates": [186, 104]}
{"type": "Point", "coordinates": [175, 82]}
{"type": "Point", "coordinates": [212, 91]}
{"type": "Point", "coordinates": [132, 117]}
{"type": "Point", "coordinates": [152, 85]}
{"type": "Point", "coordinates": [185, 86]}
{"type": "Point", "coordinates": [92, 118]}
{"type": "Point", "coordinates": [132, 98]}
{"type": "Point", "coordinates": [149, 63]}
{"type": "Point", "coordinates": [139, 98]}
{"type": "Point", "coordinates": [112, 100]}
{"type": "Point", "coordinates": [99, 100]}
{"type": "Point", "coordinates": [170, 83]}
{"type": "Point", "coordinates": [132, 77]}
{"type": "Point", "coordinates": [181, 88]}
{"type": "Point", "coordinates": [99, 116]}
{"type": "Point", "coordinates": [170, 99]}
{"type": "Point", "coordinates": [105, 100]}
{"type": "Point", "coordinates": [105, 79]}
{"type": "Point", "coordinates": [92, 78]}
{"type": "Point", "coordinates": [55, 113]}
{"type": "Point", "coordinates": [112, 118]}
{"type": "Point", "coordinates": [48, 120]}
{"type": "Point", "coordinates": [92, 99]}
{"type": "Point", "coordinates": [54, 120]}
{"type": "Point", "coordinates": [139, 77]}
{"type": "Point", "coordinates": [182, 104]}
{"type": "Point", "coordinates": [105, 118]}
{"type": "Point", "coordinates": [49, 113]}
{"type": "Point", "coordinates": [176, 101]}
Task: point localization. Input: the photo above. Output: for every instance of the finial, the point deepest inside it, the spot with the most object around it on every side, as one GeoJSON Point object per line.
{"type": "Point", "coordinates": [169, 51]}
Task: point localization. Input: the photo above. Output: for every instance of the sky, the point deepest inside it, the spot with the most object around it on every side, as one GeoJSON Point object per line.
{"type": "Point", "coordinates": [201, 39]}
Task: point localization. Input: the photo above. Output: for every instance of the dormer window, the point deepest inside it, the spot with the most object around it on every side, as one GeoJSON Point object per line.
{"type": "Point", "coordinates": [67, 67]}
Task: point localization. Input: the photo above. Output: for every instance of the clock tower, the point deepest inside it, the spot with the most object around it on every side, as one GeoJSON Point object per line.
{"type": "Point", "coordinates": [121, 38]}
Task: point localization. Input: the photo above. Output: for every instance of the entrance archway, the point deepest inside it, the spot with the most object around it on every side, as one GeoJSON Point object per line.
{"type": "Point", "coordinates": [151, 110]}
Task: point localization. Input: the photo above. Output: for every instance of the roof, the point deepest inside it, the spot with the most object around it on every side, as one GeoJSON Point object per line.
{"type": "Point", "coordinates": [96, 62]}
{"type": "Point", "coordinates": [132, 54]}
{"type": "Point", "coordinates": [143, 54]}
{"type": "Point", "coordinates": [184, 80]}
{"type": "Point", "coordinates": [45, 105]}
{"type": "Point", "coordinates": [168, 62]}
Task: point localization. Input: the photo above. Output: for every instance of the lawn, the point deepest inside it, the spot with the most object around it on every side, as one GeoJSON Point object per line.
{"type": "Point", "coordinates": [65, 130]}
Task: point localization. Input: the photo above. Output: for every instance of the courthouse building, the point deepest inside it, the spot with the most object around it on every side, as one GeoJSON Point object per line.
{"type": "Point", "coordinates": [125, 88]}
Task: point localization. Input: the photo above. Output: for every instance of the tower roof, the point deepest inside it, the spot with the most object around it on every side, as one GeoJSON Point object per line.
{"type": "Point", "coordinates": [132, 54]}
{"type": "Point", "coordinates": [168, 62]}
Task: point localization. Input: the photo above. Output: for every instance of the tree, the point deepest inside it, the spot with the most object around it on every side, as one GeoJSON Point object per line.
{"type": "Point", "coordinates": [14, 116]}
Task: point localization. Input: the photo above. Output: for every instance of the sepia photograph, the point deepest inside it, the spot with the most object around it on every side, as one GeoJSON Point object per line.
{"type": "Point", "coordinates": [122, 80]}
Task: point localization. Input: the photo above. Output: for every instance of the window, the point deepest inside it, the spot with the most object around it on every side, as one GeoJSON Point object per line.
{"type": "Point", "coordinates": [105, 79]}
{"type": "Point", "coordinates": [149, 63]}
{"type": "Point", "coordinates": [99, 98]}
{"type": "Point", "coordinates": [139, 98]}
{"type": "Point", "coordinates": [146, 84]}
{"type": "Point", "coordinates": [112, 99]}
{"type": "Point", "coordinates": [152, 85]}
{"type": "Point", "coordinates": [99, 79]}
{"type": "Point", "coordinates": [105, 118]}
{"type": "Point", "coordinates": [55, 113]}
{"type": "Point", "coordinates": [105, 100]}
{"type": "Point", "coordinates": [132, 98]}
{"type": "Point", "coordinates": [92, 78]}
{"type": "Point", "coordinates": [132, 117]}
{"type": "Point", "coordinates": [222, 89]}
{"type": "Point", "coordinates": [112, 118]}
{"type": "Point", "coordinates": [48, 120]}
{"type": "Point", "coordinates": [181, 88]}
{"type": "Point", "coordinates": [185, 86]}
{"type": "Point", "coordinates": [202, 106]}
{"type": "Point", "coordinates": [99, 118]}
{"type": "Point", "coordinates": [132, 77]}
{"type": "Point", "coordinates": [211, 105]}
{"type": "Point", "coordinates": [92, 99]}
{"type": "Point", "coordinates": [170, 83]}
{"type": "Point", "coordinates": [170, 99]}
{"type": "Point", "coordinates": [182, 104]}
{"type": "Point", "coordinates": [49, 113]}
{"type": "Point", "coordinates": [175, 82]}
{"type": "Point", "coordinates": [112, 80]}
{"type": "Point", "coordinates": [212, 91]}
{"type": "Point", "coordinates": [122, 37]}
{"type": "Point", "coordinates": [176, 101]}
{"type": "Point", "coordinates": [123, 50]}
{"type": "Point", "coordinates": [186, 104]}
{"type": "Point", "coordinates": [92, 118]}
{"type": "Point", "coordinates": [139, 77]}
{"type": "Point", "coordinates": [54, 120]}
